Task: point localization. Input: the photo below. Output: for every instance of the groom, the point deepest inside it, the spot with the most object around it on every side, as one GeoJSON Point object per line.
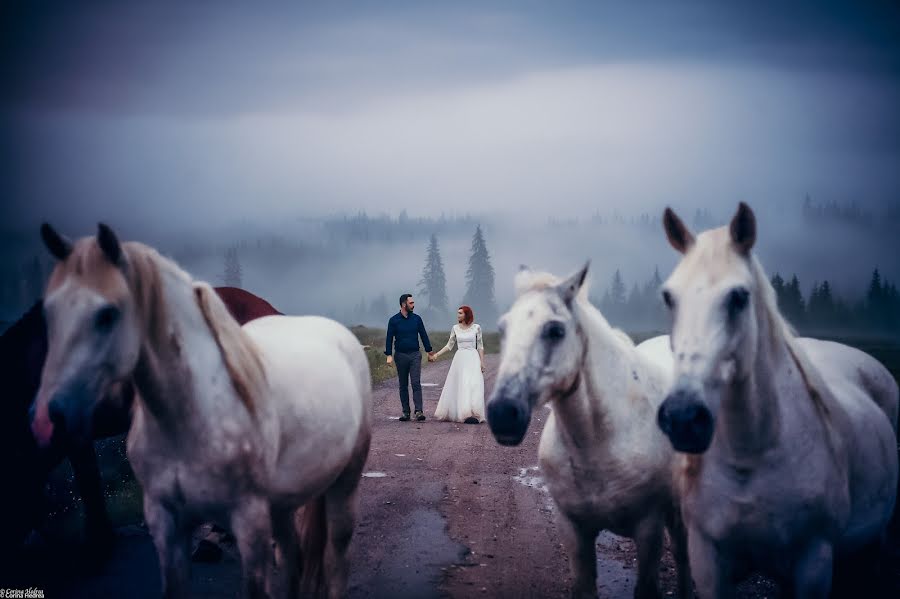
{"type": "Point", "coordinates": [406, 327]}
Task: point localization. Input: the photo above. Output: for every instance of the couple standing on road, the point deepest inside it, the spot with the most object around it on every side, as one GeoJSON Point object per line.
{"type": "Point", "coordinates": [462, 398]}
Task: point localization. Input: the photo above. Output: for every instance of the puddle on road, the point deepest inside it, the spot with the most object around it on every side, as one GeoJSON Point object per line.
{"type": "Point", "coordinates": [416, 551]}
{"type": "Point", "coordinates": [613, 578]}
{"type": "Point", "coordinates": [529, 477]}
{"type": "Point", "coordinates": [374, 474]}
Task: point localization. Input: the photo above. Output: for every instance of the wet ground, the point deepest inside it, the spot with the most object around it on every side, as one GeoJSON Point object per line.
{"type": "Point", "coordinates": [445, 511]}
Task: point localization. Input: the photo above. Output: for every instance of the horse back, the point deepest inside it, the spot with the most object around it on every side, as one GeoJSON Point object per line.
{"type": "Point", "coordinates": [320, 397]}
{"type": "Point", "coordinates": [315, 354]}
{"type": "Point", "coordinates": [842, 365]}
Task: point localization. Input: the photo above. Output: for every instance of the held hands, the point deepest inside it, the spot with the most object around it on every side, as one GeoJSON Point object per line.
{"type": "Point", "coordinates": [432, 357]}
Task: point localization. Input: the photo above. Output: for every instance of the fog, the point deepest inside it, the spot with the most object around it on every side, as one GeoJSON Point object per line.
{"type": "Point", "coordinates": [200, 128]}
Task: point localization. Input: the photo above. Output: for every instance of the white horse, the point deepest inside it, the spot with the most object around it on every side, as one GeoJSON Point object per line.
{"type": "Point", "coordinates": [605, 463]}
{"type": "Point", "coordinates": [796, 438]}
{"type": "Point", "coordinates": [237, 426]}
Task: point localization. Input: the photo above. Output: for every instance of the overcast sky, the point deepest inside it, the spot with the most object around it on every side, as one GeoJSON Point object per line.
{"type": "Point", "coordinates": [214, 113]}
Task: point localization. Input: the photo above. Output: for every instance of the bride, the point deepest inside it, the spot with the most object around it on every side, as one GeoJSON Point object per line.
{"type": "Point", "coordinates": [462, 399]}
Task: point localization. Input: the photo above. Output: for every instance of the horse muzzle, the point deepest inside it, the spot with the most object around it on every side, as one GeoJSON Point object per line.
{"type": "Point", "coordinates": [508, 416]}
{"type": "Point", "coordinates": [686, 421]}
{"type": "Point", "coordinates": [60, 420]}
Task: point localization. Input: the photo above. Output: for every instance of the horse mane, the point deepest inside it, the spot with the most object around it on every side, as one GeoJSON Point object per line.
{"type": "Point", "coordinates": [783, 331]}
{"type": "Point", "coordinates": [527, 281]}
{"type": "Point", "coordinates": [240, 354]}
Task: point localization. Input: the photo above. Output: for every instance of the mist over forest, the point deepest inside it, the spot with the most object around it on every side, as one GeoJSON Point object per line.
{"type": "Point", "coordinates": [354, 267]}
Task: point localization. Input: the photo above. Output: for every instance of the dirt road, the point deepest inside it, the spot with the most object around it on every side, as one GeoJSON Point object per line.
{"type": "Point", "coordinates": [445, 511]}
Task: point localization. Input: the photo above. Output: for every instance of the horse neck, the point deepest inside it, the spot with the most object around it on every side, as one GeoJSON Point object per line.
{"type": "Point", "coordinates": [750, 411]}
{"type": "Point", "coordinates": [178, 361]}
{"type": "Point", "coordinates": [595, 411]}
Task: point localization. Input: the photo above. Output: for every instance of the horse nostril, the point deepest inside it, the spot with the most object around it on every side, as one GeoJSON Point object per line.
{"type": "Point", "coordinates": [662, 418]}
{"type": "Point", "coordinates": [507, 411]}
{"type": "Point", "coordinates": [55, 411]}
{"type": "Point", "coordinates": [701, 416]}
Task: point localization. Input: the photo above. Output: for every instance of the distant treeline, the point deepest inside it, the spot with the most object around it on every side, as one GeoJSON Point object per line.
{"type": "Point", "coordinates": [875, 312]}
{"type": "Point", "coordinates": [363, 228]}
{"type": "Point", "coordinates": [633, 305]}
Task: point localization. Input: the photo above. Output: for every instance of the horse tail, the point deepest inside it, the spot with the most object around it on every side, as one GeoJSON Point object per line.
{"type": "Point", "coordinates": [313, 535]}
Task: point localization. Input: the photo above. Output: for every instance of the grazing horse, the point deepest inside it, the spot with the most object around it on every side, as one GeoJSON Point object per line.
{"type": "Point", "coordinates": [790, 445]}
{"type": "Point", "coordinates": [605, 463]}
{"type": "Point", "coordinates": [236, 425]}
{"type": "Point", "coordinates": [23, 350]}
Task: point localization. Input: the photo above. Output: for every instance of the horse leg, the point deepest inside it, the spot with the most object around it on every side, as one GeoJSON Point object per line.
{"type": "Point", "coordinates": [678, 536]}
{"type": "Point", "coordinates": [172, 537]}
{"type": "Point", "coordinates": [340, 513]}
{"type": "Point", "coordinates": [813, 570]}
{"type": "Point", "coordinates": [252, 527]}
{"type": "Point", "coordinates": [711, 569]}
{"type": "Point", "coordinates": [99, 532]}
{"type": "Point", "coordinates": [649, 541]}
{"type": "Point", "coordinates": [284, 530]}
{"type": "Point", "coordinates": [580, 543]}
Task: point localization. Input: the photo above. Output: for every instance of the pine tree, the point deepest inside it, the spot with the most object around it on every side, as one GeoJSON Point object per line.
{"type": "Point", "coordinates": [233, 272]}
{"type": "Point", "coordinates": [617, 290]}
{"type": "Point", "coordinates": [635, 304]}
{"type": "Point", "coordinates": [794, 308]}
{"type": "Point", "coordinates": [875, 305]}
{"type": "Point", "coordinates": [480, 281]}
{"type": "Point", "coordinates": [821, 305]}
{"type": "Point", "coordinates": [434, 282]}
{"type": "Point", "coordinates": [778, 286]}
{"type": "Point", "coordinates": [615, 307]}
{"type": "Point", "coordinates": [654, 315]}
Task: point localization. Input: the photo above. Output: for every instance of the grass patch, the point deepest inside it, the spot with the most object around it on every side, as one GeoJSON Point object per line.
{"type": "Point", "coordinates": [372, 340]}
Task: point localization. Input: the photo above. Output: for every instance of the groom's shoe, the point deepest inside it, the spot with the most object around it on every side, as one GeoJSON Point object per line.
{"type": "Point", "coordinates": [404, 417]}
{"type": "Point", "coordinates": [420, 416]}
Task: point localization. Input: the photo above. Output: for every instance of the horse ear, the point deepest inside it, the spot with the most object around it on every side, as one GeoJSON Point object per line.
{"type": "Point", "coordinates": [109, 243]}
{"type": "Point", "coordinates": [524, 268]}
{"type": "Point", "coordinates": [59, 246]}
{"type": "Point", "coordinates": [678, 234]}
{"type": "Point", "coordinates": [571, 286]}
{"type": "Point", "coordinates": [743, 229]}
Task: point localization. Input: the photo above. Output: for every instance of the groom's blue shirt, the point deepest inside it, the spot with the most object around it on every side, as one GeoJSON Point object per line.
{"type": "Point", "coordinates": [406, 331]}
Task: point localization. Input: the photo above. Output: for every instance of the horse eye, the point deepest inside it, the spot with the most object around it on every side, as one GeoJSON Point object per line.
{"type": "Point", "coordinates": [668, 299]}
{"type": "Point", "coordinates": [106, 317]}
{"type": "Point", "coordinates": [501, 327]}
{"type": "Point", "coordinates": [554, 331]}
{"type": "Point", "coordinates": [737, 300]}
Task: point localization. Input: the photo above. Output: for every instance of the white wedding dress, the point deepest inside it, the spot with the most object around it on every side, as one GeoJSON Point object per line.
{"type": "Point", "coordinates": [463, 393]}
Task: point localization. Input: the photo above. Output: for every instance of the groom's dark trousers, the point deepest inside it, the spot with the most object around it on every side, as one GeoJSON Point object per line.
{"type": "Point", "coordinates": [409, 366]}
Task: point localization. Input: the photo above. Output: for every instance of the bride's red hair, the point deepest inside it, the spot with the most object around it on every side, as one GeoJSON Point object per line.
{"type": "Point", "coordinates": [468, 315]}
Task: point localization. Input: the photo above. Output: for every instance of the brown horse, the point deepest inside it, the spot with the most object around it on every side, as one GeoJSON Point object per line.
{"type": "Point", "coordinates": [25, 467]}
